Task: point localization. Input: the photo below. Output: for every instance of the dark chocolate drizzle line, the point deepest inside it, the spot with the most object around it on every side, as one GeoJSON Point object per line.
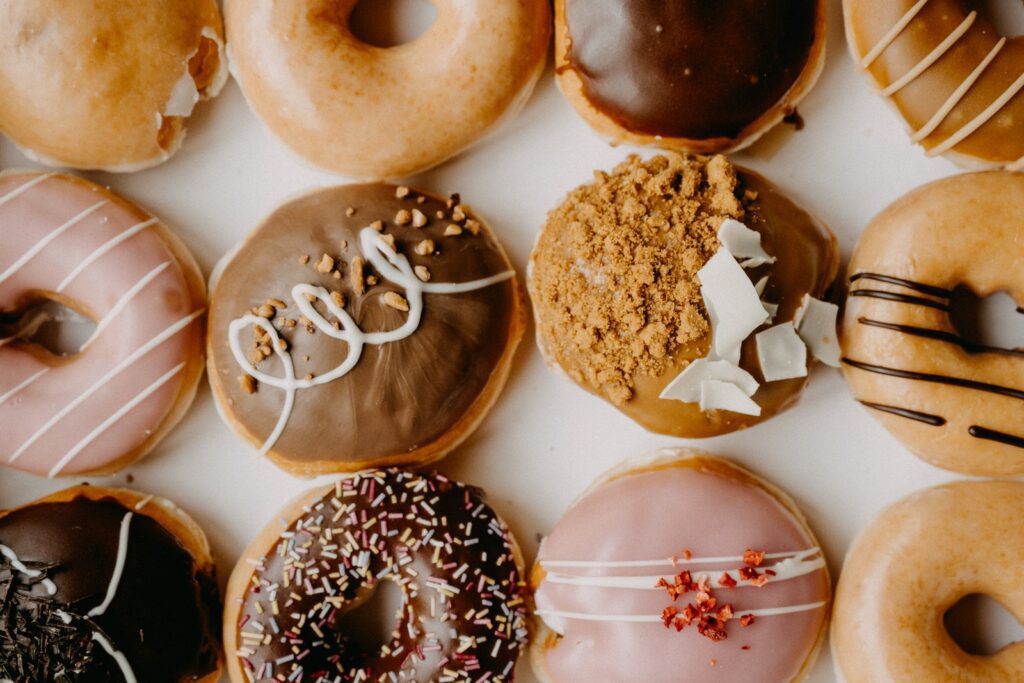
{"type": "Point", "coordinates": [939, 335]}
{"type": "Point", "coordinates": [992, 435]}
{"type": "Point", "coordinates": [934, 420]}
{"type": "Point", "coordinates": [901, 298]}
{"type": "Point", "coordinates": [931, 290]}
{"type": "Point", "coordinates": [938, 379]}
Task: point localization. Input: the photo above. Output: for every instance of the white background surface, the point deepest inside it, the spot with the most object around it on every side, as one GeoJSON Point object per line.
{"type": "Point", "coordinates": [546, 439]}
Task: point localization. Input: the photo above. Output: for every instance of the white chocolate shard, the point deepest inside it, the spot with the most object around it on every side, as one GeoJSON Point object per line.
{"type": "Point", "coordinates": [716, 395]}
{"type": "Point", "coordinates": [743, 243]}
{"type": "Point", "coordinates": [687, 386]}
{"type": "Point", "coordinates": [816, 324]}
{"type": "Point", "coordinates": [732, 302]}
{"type": "Point", "coordinates": [781, 352]}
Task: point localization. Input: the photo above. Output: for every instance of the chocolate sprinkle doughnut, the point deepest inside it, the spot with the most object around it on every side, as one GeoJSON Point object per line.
{"type": "Point", "coordinates": [463, 615]}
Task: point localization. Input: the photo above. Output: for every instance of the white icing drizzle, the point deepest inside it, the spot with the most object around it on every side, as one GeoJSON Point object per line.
{"type": "Point", "coordinates": [99, 384]}
{"type": "Point", "coordinates": [979, 120]}
{"type": "Point", "coordinates": [391, 266]}
{"type": "Point", "coordinates": [123, 302]}
{"type": "Point", "coordinates": [122, 661]}
{"type": "Point", "coordinates": [887, 40]}
{"type": "Point", "coordinates": [664, 562]}
{"type": "Point", "coordinates": [958, 94]}
{"type": "Point", "coordinates": [19, 566]}
{"type": "Point", "coordinates": [144, 502]}
{"type": "Point", "coordinates": [933, 56]}
{"type": "Point", "coordinates": [115, 576]}
{"type": "Point", "coordinates": [657, 618]}
{"type": "Point", "coordinates": [50, 237]}
{"type": "Point", "coordinates": [23, 188]}
{"type": "Point", "coordinates": [99, 252]}
{"type": "Point", "coordinates": [112, 420]}
{"type": "Point", "coordinates": [23, 385]}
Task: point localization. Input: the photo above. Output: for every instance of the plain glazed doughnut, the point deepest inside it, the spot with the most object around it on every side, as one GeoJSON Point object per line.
{"type": "Point", "coordinates": [747, 587]}
{"type": "Point", "coordinates": [955, 404]}
{"type": "Point", "coordinates": [913, 563]}
{"type": "Point", "coordinates": [67, 240]}
{"type": "Point", "coordinates": [107, 585]}
{"type": "Point", "coordinates": [957, 83]}
{"type": "Point", "coordinates": [376, 113]}
{"type": "Point", "coordinates": [689, 76]}
{"type": "Point", "coordinates": [362, 326]}
{"type": "Point", "coordinates": [106, 84]}
{"type": "Point", "coordinates": [463, 615]}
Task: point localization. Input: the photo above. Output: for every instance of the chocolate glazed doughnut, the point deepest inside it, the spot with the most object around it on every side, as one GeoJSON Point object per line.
{"type": "Point", "coordinates": [687, 75]}
{"type": "Point", "coordinates": [105, 585]}
{"type": "Point", "coordinates": [363, 325]}
{"type": "Point", "coordinates": [463, 614]}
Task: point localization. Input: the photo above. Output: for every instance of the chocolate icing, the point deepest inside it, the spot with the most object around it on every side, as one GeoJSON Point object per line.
{"type": "Point", "coordinates": [688, 68]}
{"type": "Point", "coordinates": [161, 618]}
{"type": "Point", "coordinates": [463, 611]}
{"type": "Point", "coordinates": [399, 396]}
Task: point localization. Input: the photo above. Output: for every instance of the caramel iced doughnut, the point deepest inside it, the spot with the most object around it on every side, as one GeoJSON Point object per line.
{"type": "Point", "coordinates": [615, 290]}
{"type": "Point", "coordinates": [107, 585]}
{"type": "Point", "coordinates": [111, 85]}
{"type": "Point", "coordinates": [679, 562]}
{"type": "Point", "coordinates": [955, 404]}
{"type": "Point", "coordinates": [689, 76]}
{"type": "Point", "coordinates": [913, 563]}
{"type": "Point", "coordinates": [376, 113]}
{"type": "Point", "coordinates": [460, 572]}
{"type": "Point", "coordinates": [363, 325]}
{"type": "Point", "coordinates": [957, 83]}
{"type": "Point", "coordinates": [67, 240]}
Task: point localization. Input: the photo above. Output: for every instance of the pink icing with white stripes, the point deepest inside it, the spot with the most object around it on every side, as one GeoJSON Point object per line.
{"type": "Point", "coordinates": [60, 235]}
{"type": "Point", "coordinates": [632, 527]}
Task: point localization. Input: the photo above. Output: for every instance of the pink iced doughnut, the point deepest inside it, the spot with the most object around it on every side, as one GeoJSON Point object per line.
{"type": "Point", "coordinates": [68, 240]}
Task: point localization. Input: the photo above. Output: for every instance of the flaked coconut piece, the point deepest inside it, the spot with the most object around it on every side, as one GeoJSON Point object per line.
{"type": "Point", "coordinates": [717, 395]}
{"type": "Point", "coordinates": [743, 243]}
{"type": "Point", "coordinates": [733, 305]}
{"type": "Point", "coordinates": [686, 387]}
{"type": "Point", "coordinates": [782, 353]}
{"type": "Point", "coordinates": [816, 324]}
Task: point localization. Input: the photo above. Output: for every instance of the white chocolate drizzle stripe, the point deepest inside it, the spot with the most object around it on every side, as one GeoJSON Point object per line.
{"type": "Point", "coordinates": [892, 35]}
{"type": "Point", "coordinates": [23, 188]}
{"type": "Point", "coordinates": [113, 372]}
{"type": "Point", "coordinates": [110, 421]}
{"type": "Point", "coordinates": [933, 56]}
{"type": "Point", "coordinates": [101, 251]}
{"type": "Point", "coordinates": [668, 562]}
{"type": "Point", "coordinates": [23, 385]}
{"type": "Point", "coordinates": [19, 566]}
{"type": "Point", "coordinates": [115, 576]}
{"type": "Point", "coordinates": [657, 618]}
{"type": "Point", "coordinates": [391, 266]}
{"type": "Point", "coordinates": [122, 661]}
{"type": "Point", "coordinates": [43, 243]}
{"type": "Point", "coordinates": [980, 120]}
{"type": "Point", "coordinates": [958, 94]}
{"type": "Point", "coordinates": [123, 302]}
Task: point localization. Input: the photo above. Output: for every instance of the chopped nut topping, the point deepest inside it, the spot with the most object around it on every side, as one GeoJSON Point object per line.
{"type": "Point", "coordinates": [425, 247]}
{"type": "Point", "coordinates": [422, 273]}
{"type": "Point", "coordinates": [338, 299]}
{"type": "Point", "coordinates": [389, 240]}
{"type": "Point", "coordinates": [452, 230]}
{"type": "Point", "coordinates": [325, 264]}
{"type": "Point", "coordinates": [310, 297]}
{"type": "Point", "coordinates": [473, 226]}
{"type": "Point", "coordinates": [420, 199]}
{"type": "Point", "coordinates": [403, 217]}
{"type": "Point", "coordinates": [355, 275]}
{"type": "Point", "coordinates": [439, 214]}
{"type": "Point", "coordinates": [401, 192]}
{"type": "Point", "coordinates": [289, 323]}
{"type": "Point", "coordinates": [266, 311]}
{"type": "Point", "coordinates": [419, 219]}
{"type": "Point", "coordinates": [371, 280]}
{"type": "Point", "coordinates": [396, 301]}
{"type": "Point", "coordinates": [309, 376]}
{"type": "Point", "coordinates": [350, 211]}
{"type": "Point", "coordinates": [304, 259]}
{"type": "Point", "coordinates": [282, 344]}
{"type": "Point", "coordinates": [248, 383]}
{"type": "Point", "coordinates": [277, 303]}
{"type": "Point", "coordinates": [336, 275]}
{"type": "Point", "coordinates": [377, 225]}
{"type": "Point", "coordinates": [458, 213]}
{"type": "Point", "coordinates": [344, 245]}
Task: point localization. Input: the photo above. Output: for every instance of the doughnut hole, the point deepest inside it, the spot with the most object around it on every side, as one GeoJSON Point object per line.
{"type": "Point", "coordinates": [981, 625]}
{"type": "Point", "coordinates": [390, 23]}
{"type": "Point", "coordinates": [49, 325]}
{"type": "Point", "coordinates": [986, 323]}
{"type": "Point", "coordinates": [371, 622]}
{"type": "Point", "coordinates": [1008, 17]}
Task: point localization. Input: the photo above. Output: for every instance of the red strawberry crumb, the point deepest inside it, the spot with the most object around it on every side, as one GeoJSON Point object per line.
{"type": "Point", "coordinates": [753, 558]}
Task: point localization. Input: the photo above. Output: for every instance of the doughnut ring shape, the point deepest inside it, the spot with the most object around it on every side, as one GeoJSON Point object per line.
{"type": "Point", "coordinates": [957, 83]}
{"type": "Point", "coordinates": [956, 404]}
{"type": "Point", "coordinates": [377, 113]}
{"type": "Point", "coordinates": [65, 239]}
{"type": "Point", "coordinates": [915, 561]}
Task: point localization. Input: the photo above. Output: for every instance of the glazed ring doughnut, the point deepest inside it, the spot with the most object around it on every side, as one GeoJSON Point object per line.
{"type": "Point", "coordinates": [747, 586]}
{"type": "Point", "coordinates": [377, 113]}
{"type": "Point", "coordinates": [955, 404]}
{"type": "Point", "coordinates": [67, 240]}
{"type": "Point", "coordinates": [107, 585]}
{"type": "Point", "coordinates": [110, 85]}
{"type": "Point", "coordinates": [913, 563]}
{"type": "Point", "coordinates": [460, 573]}
{"type": "Point", "coordinates": [957, 83]}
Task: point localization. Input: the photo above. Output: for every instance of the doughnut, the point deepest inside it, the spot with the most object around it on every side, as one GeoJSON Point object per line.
{"type": "Point", "coordinates": [106, 585]}
{"type": "Point", "coordinates": [679, 562]}
{"type": "Point", "coordinates": [67, 240]}
{"type": "Point", "coordinates": [617, 296]}
{"type": "Point", "coordinates": [376, 113]}
{"type": "Point", "coordinates": [464, 607]}
{"type": "Point", "coordinates": [362, 326]}
{"type": "Point", "coordinates": [110, 85]}
{"type": "Point", "coordinates": [689, 76]}
{"type": "Point", "coordinates": [914, 562]}
{"type": "Point", "coordinates": [954, 403]}
{"type": "Point", "coordinates": [957, 83]}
